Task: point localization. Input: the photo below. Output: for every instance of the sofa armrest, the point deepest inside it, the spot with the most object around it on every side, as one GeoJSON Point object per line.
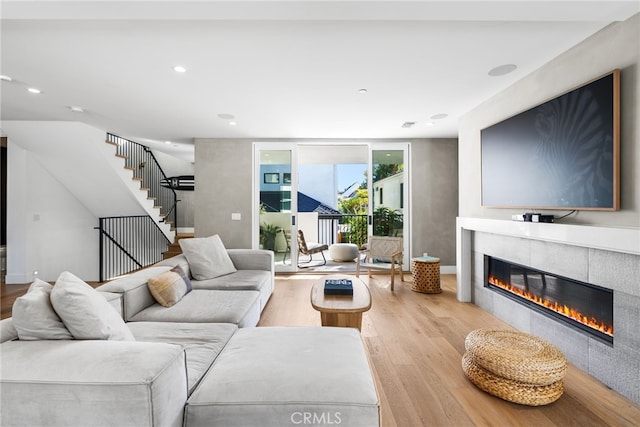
{"type": "Point", "coordinates": [252, 259]}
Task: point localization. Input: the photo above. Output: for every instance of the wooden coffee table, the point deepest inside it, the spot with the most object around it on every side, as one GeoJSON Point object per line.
{"type": "Point", "coordinates": [341, 310]}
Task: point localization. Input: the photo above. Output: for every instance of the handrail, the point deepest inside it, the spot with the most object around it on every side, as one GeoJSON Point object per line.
{"type": "Point", "coordinates": [128, 243]}
{"type": "Point", "coordinates": [174, 207]}
{"type": "Point", "coordinates": [141, 160]}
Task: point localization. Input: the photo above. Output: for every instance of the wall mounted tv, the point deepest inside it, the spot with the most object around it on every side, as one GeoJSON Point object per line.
{"type": "Point", "coordinates": [562, 154]}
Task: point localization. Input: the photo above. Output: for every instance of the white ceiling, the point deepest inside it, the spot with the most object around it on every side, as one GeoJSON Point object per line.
{"type": "Point", "coordinates": [284, 69]}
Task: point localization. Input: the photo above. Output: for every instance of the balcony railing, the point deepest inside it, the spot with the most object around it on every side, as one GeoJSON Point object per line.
{"type": "Point", "coordinates": [348, 228]}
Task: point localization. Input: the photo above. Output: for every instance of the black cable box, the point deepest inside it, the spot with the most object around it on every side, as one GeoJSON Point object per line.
{"type": "Point", "coordinates": [535, 217]}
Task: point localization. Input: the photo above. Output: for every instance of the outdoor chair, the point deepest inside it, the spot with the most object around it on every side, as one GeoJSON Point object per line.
{"type": "Point", "coordinates": [309, 249]}
{"type": "Point", "coordinates": [287, 239]}
{"type": "Point", "coordinates": [382, 253]}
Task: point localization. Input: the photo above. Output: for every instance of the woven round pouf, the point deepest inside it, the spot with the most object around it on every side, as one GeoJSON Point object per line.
{"type": "Point", "coordinates": [512, 391]}
{"type": "Point", "coordinates": [514, 366]}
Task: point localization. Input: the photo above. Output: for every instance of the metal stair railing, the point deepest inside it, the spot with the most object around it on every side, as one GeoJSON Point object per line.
{"type": "Point", "coordinates": [145, 166]}
{"type": "Point", "coordinates": [129, 243]}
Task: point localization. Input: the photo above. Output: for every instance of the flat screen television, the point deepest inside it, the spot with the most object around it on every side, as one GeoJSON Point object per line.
{"type": "Point", "coordinates": [562, 154]}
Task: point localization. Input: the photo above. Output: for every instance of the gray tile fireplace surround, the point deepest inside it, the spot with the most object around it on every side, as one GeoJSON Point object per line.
{"type": "Point", "coordinates": [617, 366]}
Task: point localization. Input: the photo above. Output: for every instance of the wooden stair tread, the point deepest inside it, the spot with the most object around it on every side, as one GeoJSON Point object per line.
{"type": "Point", "coordinates": [174, 248]}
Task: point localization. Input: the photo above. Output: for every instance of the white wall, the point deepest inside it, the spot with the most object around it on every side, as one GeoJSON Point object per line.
{"type": "Point", "coordinates": [48, 229]}
{"type": "Point", "coordinates": [63, 176]}
{"type": "Point", "coordinates": [319, 181]}
{"type": "Point", "coordinates": [390, 192]}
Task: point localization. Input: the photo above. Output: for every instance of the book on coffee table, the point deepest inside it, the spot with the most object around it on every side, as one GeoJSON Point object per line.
{"type": "Point", "coordinates": [338, 287]}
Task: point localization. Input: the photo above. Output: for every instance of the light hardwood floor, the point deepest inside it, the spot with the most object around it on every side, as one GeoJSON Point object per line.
{"type": "Point", "coordinates": [415, 344]}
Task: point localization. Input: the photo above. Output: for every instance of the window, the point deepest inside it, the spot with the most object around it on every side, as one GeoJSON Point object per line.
{"type": "Point", "coordinates": [286, 178]}
{"type": "Point", "coordinates": [271, 178]}
{"type": "Point", "coordinates": [381, 202]}
{"type": "Point", "coordinates": [401, 195]}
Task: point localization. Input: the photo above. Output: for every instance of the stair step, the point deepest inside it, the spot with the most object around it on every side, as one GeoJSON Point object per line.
{"type": "Point", "coordinates": [174, 248]}
{"type": "Point", "coordinates": [122, 156]}
{"type": "Point", "coordinates": [111, 142]}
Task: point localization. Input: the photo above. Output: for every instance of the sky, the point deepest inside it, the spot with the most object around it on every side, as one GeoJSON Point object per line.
{"type": "Point", "coordinates": [348, 174]}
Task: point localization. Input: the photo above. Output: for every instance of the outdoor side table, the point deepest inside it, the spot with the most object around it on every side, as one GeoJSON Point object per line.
{"type": "Point", "coordinates": [426, 275]}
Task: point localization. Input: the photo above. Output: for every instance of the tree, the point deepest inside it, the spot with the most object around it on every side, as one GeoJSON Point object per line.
{"type": "Point", "coordinates": [382, 171]}
{"type": "Point", "coordinates": [356, 205]}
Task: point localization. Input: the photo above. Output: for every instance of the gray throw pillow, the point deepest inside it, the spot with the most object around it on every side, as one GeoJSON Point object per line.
{"type": "Point", "coordinates": [86, 313]}
{"type": "Point", "coordinates": [207, 257]}
{"type": "Point", "coordinates": [34, 317]}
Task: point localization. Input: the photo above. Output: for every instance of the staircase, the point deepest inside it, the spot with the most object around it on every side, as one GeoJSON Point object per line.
{"type": "Point", "coordinates": [174, 248]}
{"type": "Point", "coordinates": [147, 172]}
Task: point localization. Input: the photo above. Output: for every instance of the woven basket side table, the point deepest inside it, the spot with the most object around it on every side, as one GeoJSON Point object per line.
{"type": "Point", "coordinates": [426, 275]}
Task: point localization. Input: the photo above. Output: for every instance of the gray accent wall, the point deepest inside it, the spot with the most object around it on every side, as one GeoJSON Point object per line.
{"type": "Point", "coordinates": [434, 180]}
{"type": "Point", "coordinates": [224, 171]}
{"type": "Point", "coordinates": [616, 46]}
{"type": "Point", "coordinates": [618, 366]}
{"type": "Point", "coordinates": [223, 175]}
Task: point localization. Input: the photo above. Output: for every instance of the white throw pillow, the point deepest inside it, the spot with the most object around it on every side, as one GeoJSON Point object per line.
{"type": "Point", "coordinates": [34, 317]}
{"type": "Point", "coordinates": [207, 257]}
{"type": "Point", "coordinates": [85, 312]}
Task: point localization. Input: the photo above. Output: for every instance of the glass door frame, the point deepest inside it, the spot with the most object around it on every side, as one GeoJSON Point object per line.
{"type": "Point", "coordinates": [406, 193]}
{"type": "Point", "coordinates": [259, 147]}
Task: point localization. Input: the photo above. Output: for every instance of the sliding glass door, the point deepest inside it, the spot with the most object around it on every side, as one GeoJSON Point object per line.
{"type": "Point", "coordinates": [388, 193]}
{"type": "Point", "coordinates": [275, 202]}
{"type": "Point", "coordinates": [347, 192]}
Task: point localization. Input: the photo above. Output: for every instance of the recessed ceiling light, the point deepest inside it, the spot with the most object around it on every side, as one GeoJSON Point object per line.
{"type": "Point", "coordinates": [76, 109]}
{"type": "Point", "coordinates": [232, 123]}
{"type": "Point", "coordinates": [5, 78]}
{"type": "Point", "coordinates": [363, 90]}
{"type": "Point", "coordinates": [179, 69]}
{"type": "Point", "coordinates": [34, 90]}
{"type": "Point", "coordinates": [430, 124]}
{"type": "Point", "coordinates": [439, 116]}
{"type": "Point", "coordinates": [167, 142]}
{"type": "Point", "coordinates": [226, 116]}
{"type": "Point", "coordinates": [501, 70]}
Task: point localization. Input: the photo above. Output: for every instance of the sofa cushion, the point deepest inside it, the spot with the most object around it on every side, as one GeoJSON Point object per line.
{"type": "Point", "coordinates": [34, 317]}
{"type": "Point", "coordinates": [169, 287]}
{"type": "Point", "coordinates": [252, 280]}
{"type": "Point", "coordinates": [207, 257]}
{"type": "Point", "coordinates": [92, 383]}
{"type": "Point", "coordinates": [273, 376]}
{"type": "Point", "coordinates": [85, 312]}
{"type": "Point", "coordinates": [202, 342]}
{"type": "Point", "coordinates": [240, 308]}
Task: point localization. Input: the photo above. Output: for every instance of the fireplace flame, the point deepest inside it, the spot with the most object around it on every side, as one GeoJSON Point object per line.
{"type": "Point", "coordinates": [564, 310]}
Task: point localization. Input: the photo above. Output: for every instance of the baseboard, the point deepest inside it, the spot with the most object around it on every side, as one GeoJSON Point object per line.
{"type": "Point", "coordinates": [447, 269]}
{"type": "Point", "coordinates": [17, 279]}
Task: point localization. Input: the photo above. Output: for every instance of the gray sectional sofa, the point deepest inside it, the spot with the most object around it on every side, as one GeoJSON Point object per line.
{"type": "Point", "coordinates": [199, 362]}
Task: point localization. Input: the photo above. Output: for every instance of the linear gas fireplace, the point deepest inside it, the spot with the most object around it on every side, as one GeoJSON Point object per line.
{"type": "Point", "coordinates": [583, 306]}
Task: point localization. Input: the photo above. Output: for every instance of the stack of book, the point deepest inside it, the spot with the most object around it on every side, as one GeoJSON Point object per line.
{"type": "Point", "coordinates": [338, 287]}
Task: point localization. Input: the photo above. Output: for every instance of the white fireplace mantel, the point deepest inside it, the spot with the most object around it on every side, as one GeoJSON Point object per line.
{"type": "Point", "coordinates": [616, 239]}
